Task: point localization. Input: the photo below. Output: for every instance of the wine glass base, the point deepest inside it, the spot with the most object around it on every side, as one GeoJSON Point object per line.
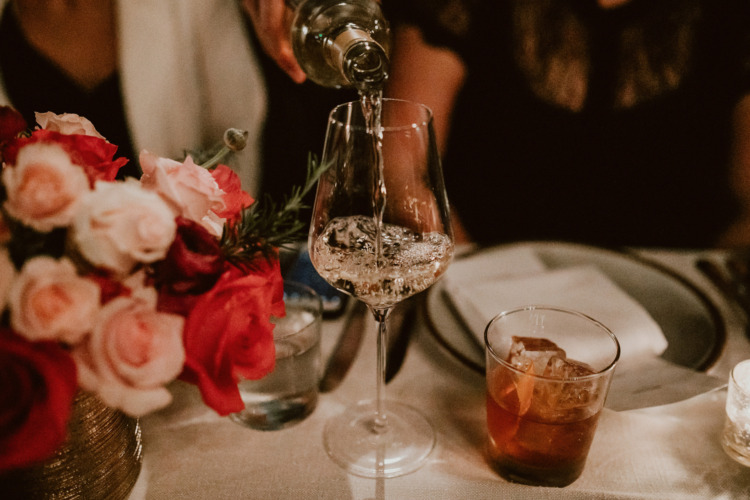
{"type": "Point", "coordinates": [354, 443]}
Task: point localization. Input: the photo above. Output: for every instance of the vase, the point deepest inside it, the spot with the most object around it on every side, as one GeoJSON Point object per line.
{"type": "Point", "coordinates": [100, 460]}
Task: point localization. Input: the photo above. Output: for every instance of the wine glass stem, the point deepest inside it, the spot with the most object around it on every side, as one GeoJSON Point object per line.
{"type": "Point", "coordinates": [380, 424]}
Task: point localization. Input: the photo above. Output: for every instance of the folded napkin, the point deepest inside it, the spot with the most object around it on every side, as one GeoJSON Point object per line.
{"type": "Point", "coordinates": [492, 265]}
{"type": "Point", "coordinates": [582, 288]}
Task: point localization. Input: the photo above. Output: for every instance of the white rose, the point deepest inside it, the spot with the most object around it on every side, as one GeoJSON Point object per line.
{"type": "Point", "coordinates": [120, 224]}
{"type": "Point", "coordinates": [44, 187]}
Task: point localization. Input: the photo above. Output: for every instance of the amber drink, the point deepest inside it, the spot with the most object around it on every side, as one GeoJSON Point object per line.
{"type": "Point", "coordinates": [548, 373]}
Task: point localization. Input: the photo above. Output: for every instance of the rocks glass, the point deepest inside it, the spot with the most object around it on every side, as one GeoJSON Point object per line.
{"type": "Point", "coordinates": [548, 374]}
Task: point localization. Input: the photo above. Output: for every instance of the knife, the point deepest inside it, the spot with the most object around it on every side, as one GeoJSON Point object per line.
{"type": "Point", "coordinates": [346, 348]}
{"type": "Point", "coordinates": [400, 327]}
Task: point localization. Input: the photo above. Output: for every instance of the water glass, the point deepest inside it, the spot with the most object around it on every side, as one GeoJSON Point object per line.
{"type": "Point", "coordinates": [289, 393]}
{"type": "Point", "coordinates": [736, 436]}
{"type": "Point", "coordinates": [548, 374]}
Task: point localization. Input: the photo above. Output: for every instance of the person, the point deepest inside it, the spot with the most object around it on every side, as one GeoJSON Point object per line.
{"type": "Point", "coordinates": [609, 122]}
{"type": "Point", "coordinates": [168, 76]}
{"type": "Point", "coordinates": [298, 108]}
{"type": "Point", "coordinates": [272, 20]}
{"type": "Point", "coordinates": [602, 121]}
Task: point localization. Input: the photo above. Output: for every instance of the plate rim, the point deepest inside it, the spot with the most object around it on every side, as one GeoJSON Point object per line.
{"type": "Point", "coordinates": [715, 316]}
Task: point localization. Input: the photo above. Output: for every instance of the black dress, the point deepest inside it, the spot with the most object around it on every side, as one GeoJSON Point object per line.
{"type": "Point", "coordinates": [608, 127]}
{"type": "Point", "coordinates": [35, 84]}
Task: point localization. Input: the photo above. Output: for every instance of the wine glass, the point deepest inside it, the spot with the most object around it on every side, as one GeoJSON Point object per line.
{"type": "Point", "coordinates": [381, 232]}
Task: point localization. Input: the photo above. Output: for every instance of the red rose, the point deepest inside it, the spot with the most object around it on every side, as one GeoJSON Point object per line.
{"type": "Point", "coordinates": [37, 385]}
{"type": "Point", "coordinates": [91, 153]}
{"type": "Point", "coordinates": [110, 287]}
{"type": "Point", "coordinates": [235, 199]}
{"type": "Point", "coordinates": [11, 123]}
{"type": "Point", "coordinates": [228, 334]}
{"type": "Point", "coordinates": [192, 266]}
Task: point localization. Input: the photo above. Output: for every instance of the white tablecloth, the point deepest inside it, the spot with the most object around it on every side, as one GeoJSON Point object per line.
{"type": "Point", "coordinates": [669, 451]}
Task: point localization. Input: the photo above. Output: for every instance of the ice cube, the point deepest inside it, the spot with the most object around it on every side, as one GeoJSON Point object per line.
{"type": "Point", "coordinates": [525, 351]}
{"type": "Point", "coordinates": [563, 368]}
{"type": "Point", "coordinates": [558, 399]}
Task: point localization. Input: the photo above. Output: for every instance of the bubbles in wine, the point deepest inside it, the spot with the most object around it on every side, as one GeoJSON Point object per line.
{"type": "Point", "coordinates": [346, 255]}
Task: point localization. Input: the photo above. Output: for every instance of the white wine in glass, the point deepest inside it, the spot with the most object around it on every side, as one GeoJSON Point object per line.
{"type": "Point", "coordinates": [381, 232]}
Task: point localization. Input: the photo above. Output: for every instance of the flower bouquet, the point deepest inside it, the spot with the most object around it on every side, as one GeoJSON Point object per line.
{"type": "Point", "coordinates": [118, 287]}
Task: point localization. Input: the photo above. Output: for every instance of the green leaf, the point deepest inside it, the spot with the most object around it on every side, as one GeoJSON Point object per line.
{"type": "Point", "coordinates": [264, 226]}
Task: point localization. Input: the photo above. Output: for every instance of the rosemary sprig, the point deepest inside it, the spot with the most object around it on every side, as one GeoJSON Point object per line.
{"type": "Point", "coordinates": [264, 226]}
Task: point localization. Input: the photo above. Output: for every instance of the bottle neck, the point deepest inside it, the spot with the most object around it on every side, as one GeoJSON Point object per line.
{"type": "Point", "coordinates": [341, 42]}
{"type": "Point", "coordinates": [359, 58]}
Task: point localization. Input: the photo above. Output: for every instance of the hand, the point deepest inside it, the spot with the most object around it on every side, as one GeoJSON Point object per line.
{"type": "Point", "coordinates": [272, 23]}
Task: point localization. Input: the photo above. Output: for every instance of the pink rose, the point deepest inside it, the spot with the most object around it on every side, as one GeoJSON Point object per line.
{"type": "Point", "coordinates": [190, 189]}
{"type": "Point", "coordinates": [132, 353]}
{"type": "Point", "coordinates": [37, 386]}
{"type": "Point", "coordinates": [120, 224]}
{"type": "Point", "coordinates": [44, 187]}
{"type": "Point", "coordinates": [67, 123]}
{"type": "Point", "coordinates": [49, 301]}
{"type": "Point", "coordinates": [229, 333]}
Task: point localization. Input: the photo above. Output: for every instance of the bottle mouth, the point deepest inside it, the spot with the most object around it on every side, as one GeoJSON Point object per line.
{"type": "Point", "coordinates": [362, 61]}
{"type": "Point", "coordinates": [366, 64]}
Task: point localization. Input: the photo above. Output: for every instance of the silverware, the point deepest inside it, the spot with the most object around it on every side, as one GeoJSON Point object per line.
{"type": "Point", "coordinates": [346, 348]}
{"type": "Point", "coordinates": [400, 327]}
{"type": "Point", "coordinates": [739, 270]}
{"type": "Point", "coordinates": [730, 282]}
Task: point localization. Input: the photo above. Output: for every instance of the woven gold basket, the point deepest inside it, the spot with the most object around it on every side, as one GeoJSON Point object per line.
{"type": "Point", "coordinates": [101, 459]}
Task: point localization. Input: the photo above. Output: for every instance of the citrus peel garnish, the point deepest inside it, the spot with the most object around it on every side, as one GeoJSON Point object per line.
{"type": "Point", "coordinates": [524, 389]}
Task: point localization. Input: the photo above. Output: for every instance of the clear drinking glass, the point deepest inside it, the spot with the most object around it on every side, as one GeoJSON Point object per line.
{"type": "Point", "coordinates": [735, 438]}
{"type": "Point", "coordinates": [548, 374]}
{"type": "Point", "coordinates": [288, 394]}
{"type": "Point", "coordinates": [381, 232]}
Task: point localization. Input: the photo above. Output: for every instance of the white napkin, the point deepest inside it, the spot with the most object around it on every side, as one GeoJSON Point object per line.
{"type": "Point", "coordinates": [582, 288]}
{"type": "Point", "coordinates": [488, 266]}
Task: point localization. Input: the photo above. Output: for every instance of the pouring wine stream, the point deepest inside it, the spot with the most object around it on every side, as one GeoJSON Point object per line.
{"type": "Point", "coordinates": [372, 109]}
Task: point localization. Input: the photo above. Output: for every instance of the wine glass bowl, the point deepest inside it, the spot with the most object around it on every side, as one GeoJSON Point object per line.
{"type": "Point", "coordinates": [381, 232]}
{"type": "Point", "coordinates": [406, 187]}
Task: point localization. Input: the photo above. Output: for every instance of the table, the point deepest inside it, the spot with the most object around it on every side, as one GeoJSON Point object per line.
{"type": "Point", "coordinates": [670, 451]}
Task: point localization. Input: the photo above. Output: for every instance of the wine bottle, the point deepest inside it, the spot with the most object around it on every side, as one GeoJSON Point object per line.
{"type": "Point", "coordinates": [341, 43]}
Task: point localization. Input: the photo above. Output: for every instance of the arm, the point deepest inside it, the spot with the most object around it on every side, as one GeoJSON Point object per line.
{"type": "Point", "coordinates": [272, 22]}
{"type": "Point", "coordinates": [738, 233]}
{"type": "Point", "coordinates": [432, 76]}
{"type": "Point", "coordinates": [423, 73]}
